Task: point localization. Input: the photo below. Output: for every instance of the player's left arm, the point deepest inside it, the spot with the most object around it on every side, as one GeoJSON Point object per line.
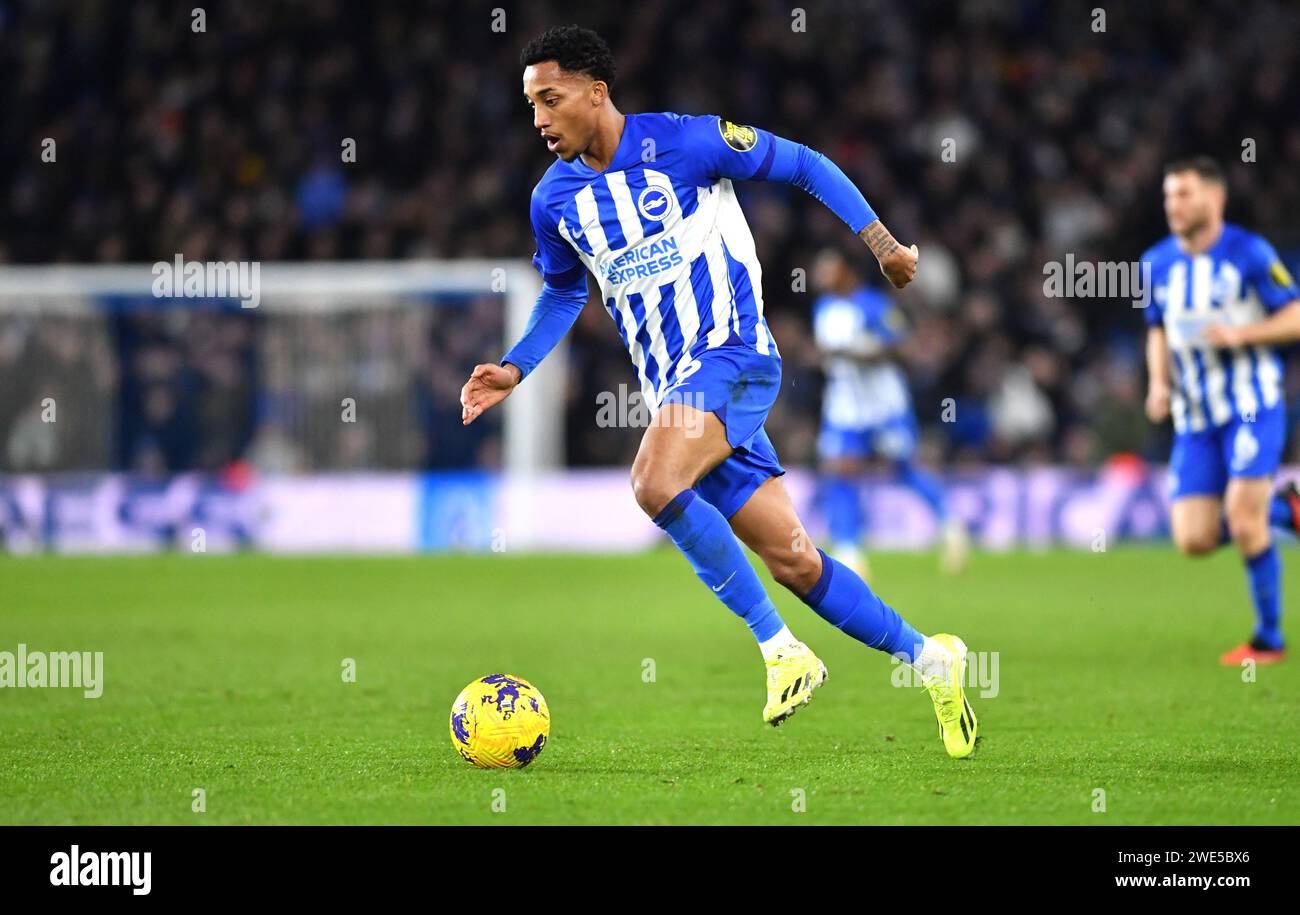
{"type": "Point", "coordinates": [1282, 326]}
{"type": "Point", "coordinates": [867, 349]}
{"type": "Point", "coordinates": [835, 338]}
{"type": "Point", "coordinates": [749, 154]}
{"type": "Point", "coordinates": [1278, 292]}
{"type": "Point", "coordinates": [882, 334]}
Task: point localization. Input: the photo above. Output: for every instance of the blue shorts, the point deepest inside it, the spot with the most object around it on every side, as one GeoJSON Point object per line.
{"type": "Point", "coordinates": [1202, 462]}
{"type": "Point", "coordinates": [739, 386]}
{"type": "Point", "coordinates": [895, 440]}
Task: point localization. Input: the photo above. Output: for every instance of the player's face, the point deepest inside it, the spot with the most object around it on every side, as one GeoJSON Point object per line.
{"type": "Point", "coordinates": [1190, 202]}
{"type": "Point", "coordinates": [829, 271]}
{"type": "Point", "coordinates": [565, 106]}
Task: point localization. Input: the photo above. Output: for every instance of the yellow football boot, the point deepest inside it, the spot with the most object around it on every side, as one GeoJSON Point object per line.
{"type": "Point", "coordinates": [793, 672]}
{"type": "Point", "coordinates": [957, 725]}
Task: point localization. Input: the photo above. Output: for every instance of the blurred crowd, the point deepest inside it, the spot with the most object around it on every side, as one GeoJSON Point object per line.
{"type": "Point", "coordinates": [186, 388]}
{"type": "Point", "coordinates": [230, 143]}
{"type": "Point", "coordinates": [57, 404]}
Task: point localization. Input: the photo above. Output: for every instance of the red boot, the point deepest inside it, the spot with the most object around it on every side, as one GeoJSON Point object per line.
{"type": "Point", "coordinates": [1253, 650]}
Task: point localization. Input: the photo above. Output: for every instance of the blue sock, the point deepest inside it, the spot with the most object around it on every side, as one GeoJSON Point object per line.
{"type": "Point", "coordinates": [842, 503]}
{"type": "Point", "coordinates": [843, 599]}
{"type": "Point", "coordinates": [924, 484]}
{"type": "Point", "coordinates": [1264, 571]}
{"type": "Point", "coordinates": [705, 538]}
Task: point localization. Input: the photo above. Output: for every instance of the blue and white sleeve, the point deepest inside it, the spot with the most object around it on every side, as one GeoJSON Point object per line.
{"type": "Point", "coordinates": [564, 293]}
{"type": "Point", "coordinates": [730, 150]}
{"type": "Point", "coordinates": [556, 309]}
{"type": "Point", "coordinates": [1269, 276]}
{"type": "Point", "coordinates": [1152, 313]}
{"type": "Point", "coordinates": [554, 258]}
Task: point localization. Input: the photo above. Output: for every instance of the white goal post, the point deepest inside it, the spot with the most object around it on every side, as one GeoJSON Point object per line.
{"type": "Point", "coordinates": [533, 415]}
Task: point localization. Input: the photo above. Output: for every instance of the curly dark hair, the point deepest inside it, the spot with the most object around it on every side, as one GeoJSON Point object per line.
{"type": "Point", "coordinates": [575, 49]}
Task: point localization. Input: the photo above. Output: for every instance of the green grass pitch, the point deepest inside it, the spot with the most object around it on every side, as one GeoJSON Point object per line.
{"type": "Point", "coordinates": [224, 673]}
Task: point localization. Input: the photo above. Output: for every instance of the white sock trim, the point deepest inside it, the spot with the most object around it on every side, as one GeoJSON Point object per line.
{"type": "Point", "coordinates": [780, 640]}
{"type": "Point", "coordinates": [933, 660]}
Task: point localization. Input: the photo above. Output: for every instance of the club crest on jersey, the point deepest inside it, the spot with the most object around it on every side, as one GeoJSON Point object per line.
{"type": "Point", "coordinates": [738, 137]}
{"type": "Point", "coordinates": [654, 203]}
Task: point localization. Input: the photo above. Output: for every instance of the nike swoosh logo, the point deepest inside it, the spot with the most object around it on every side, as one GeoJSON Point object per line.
{"type": "Point", "coordinates": [724, 584]}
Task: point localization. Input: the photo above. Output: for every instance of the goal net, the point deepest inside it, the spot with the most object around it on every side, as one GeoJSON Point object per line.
{"type": "Point", "coordinates": [339, 366]}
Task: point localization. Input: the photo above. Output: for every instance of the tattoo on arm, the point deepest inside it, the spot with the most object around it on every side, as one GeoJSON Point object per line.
{"type": "Point", "coordinates": [878, 239]}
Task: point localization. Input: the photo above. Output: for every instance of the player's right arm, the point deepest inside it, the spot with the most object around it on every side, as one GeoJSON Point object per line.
{"type": "Point", "coordinates": [897, 263]}
{"type": "Point", "coordinates": [1159, 375]}
{"type": "Point", "coordinates": [564, 293]}
{"type": "Point", "coordinates": [1159, 388]}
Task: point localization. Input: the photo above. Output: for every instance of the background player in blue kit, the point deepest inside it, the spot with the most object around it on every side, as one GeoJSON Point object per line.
{"type": "Point", "coordinates": [644, 202]}
{"type": "Point", "coordinates": [1220, 301]}
{"type": "Point", "coordinates": [866, 411]}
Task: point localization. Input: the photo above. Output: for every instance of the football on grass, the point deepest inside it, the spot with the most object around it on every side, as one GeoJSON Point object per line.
{"type": "Point", "coordinates": [500, 722]}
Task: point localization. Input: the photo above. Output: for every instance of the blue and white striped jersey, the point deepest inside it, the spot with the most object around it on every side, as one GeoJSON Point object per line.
{"type": "Point", "coordinates": [663, 233]}
{"type": "Point", "coordinates": [1239, 280]}
{"type": "Point", "coordinates": [850, 330]}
